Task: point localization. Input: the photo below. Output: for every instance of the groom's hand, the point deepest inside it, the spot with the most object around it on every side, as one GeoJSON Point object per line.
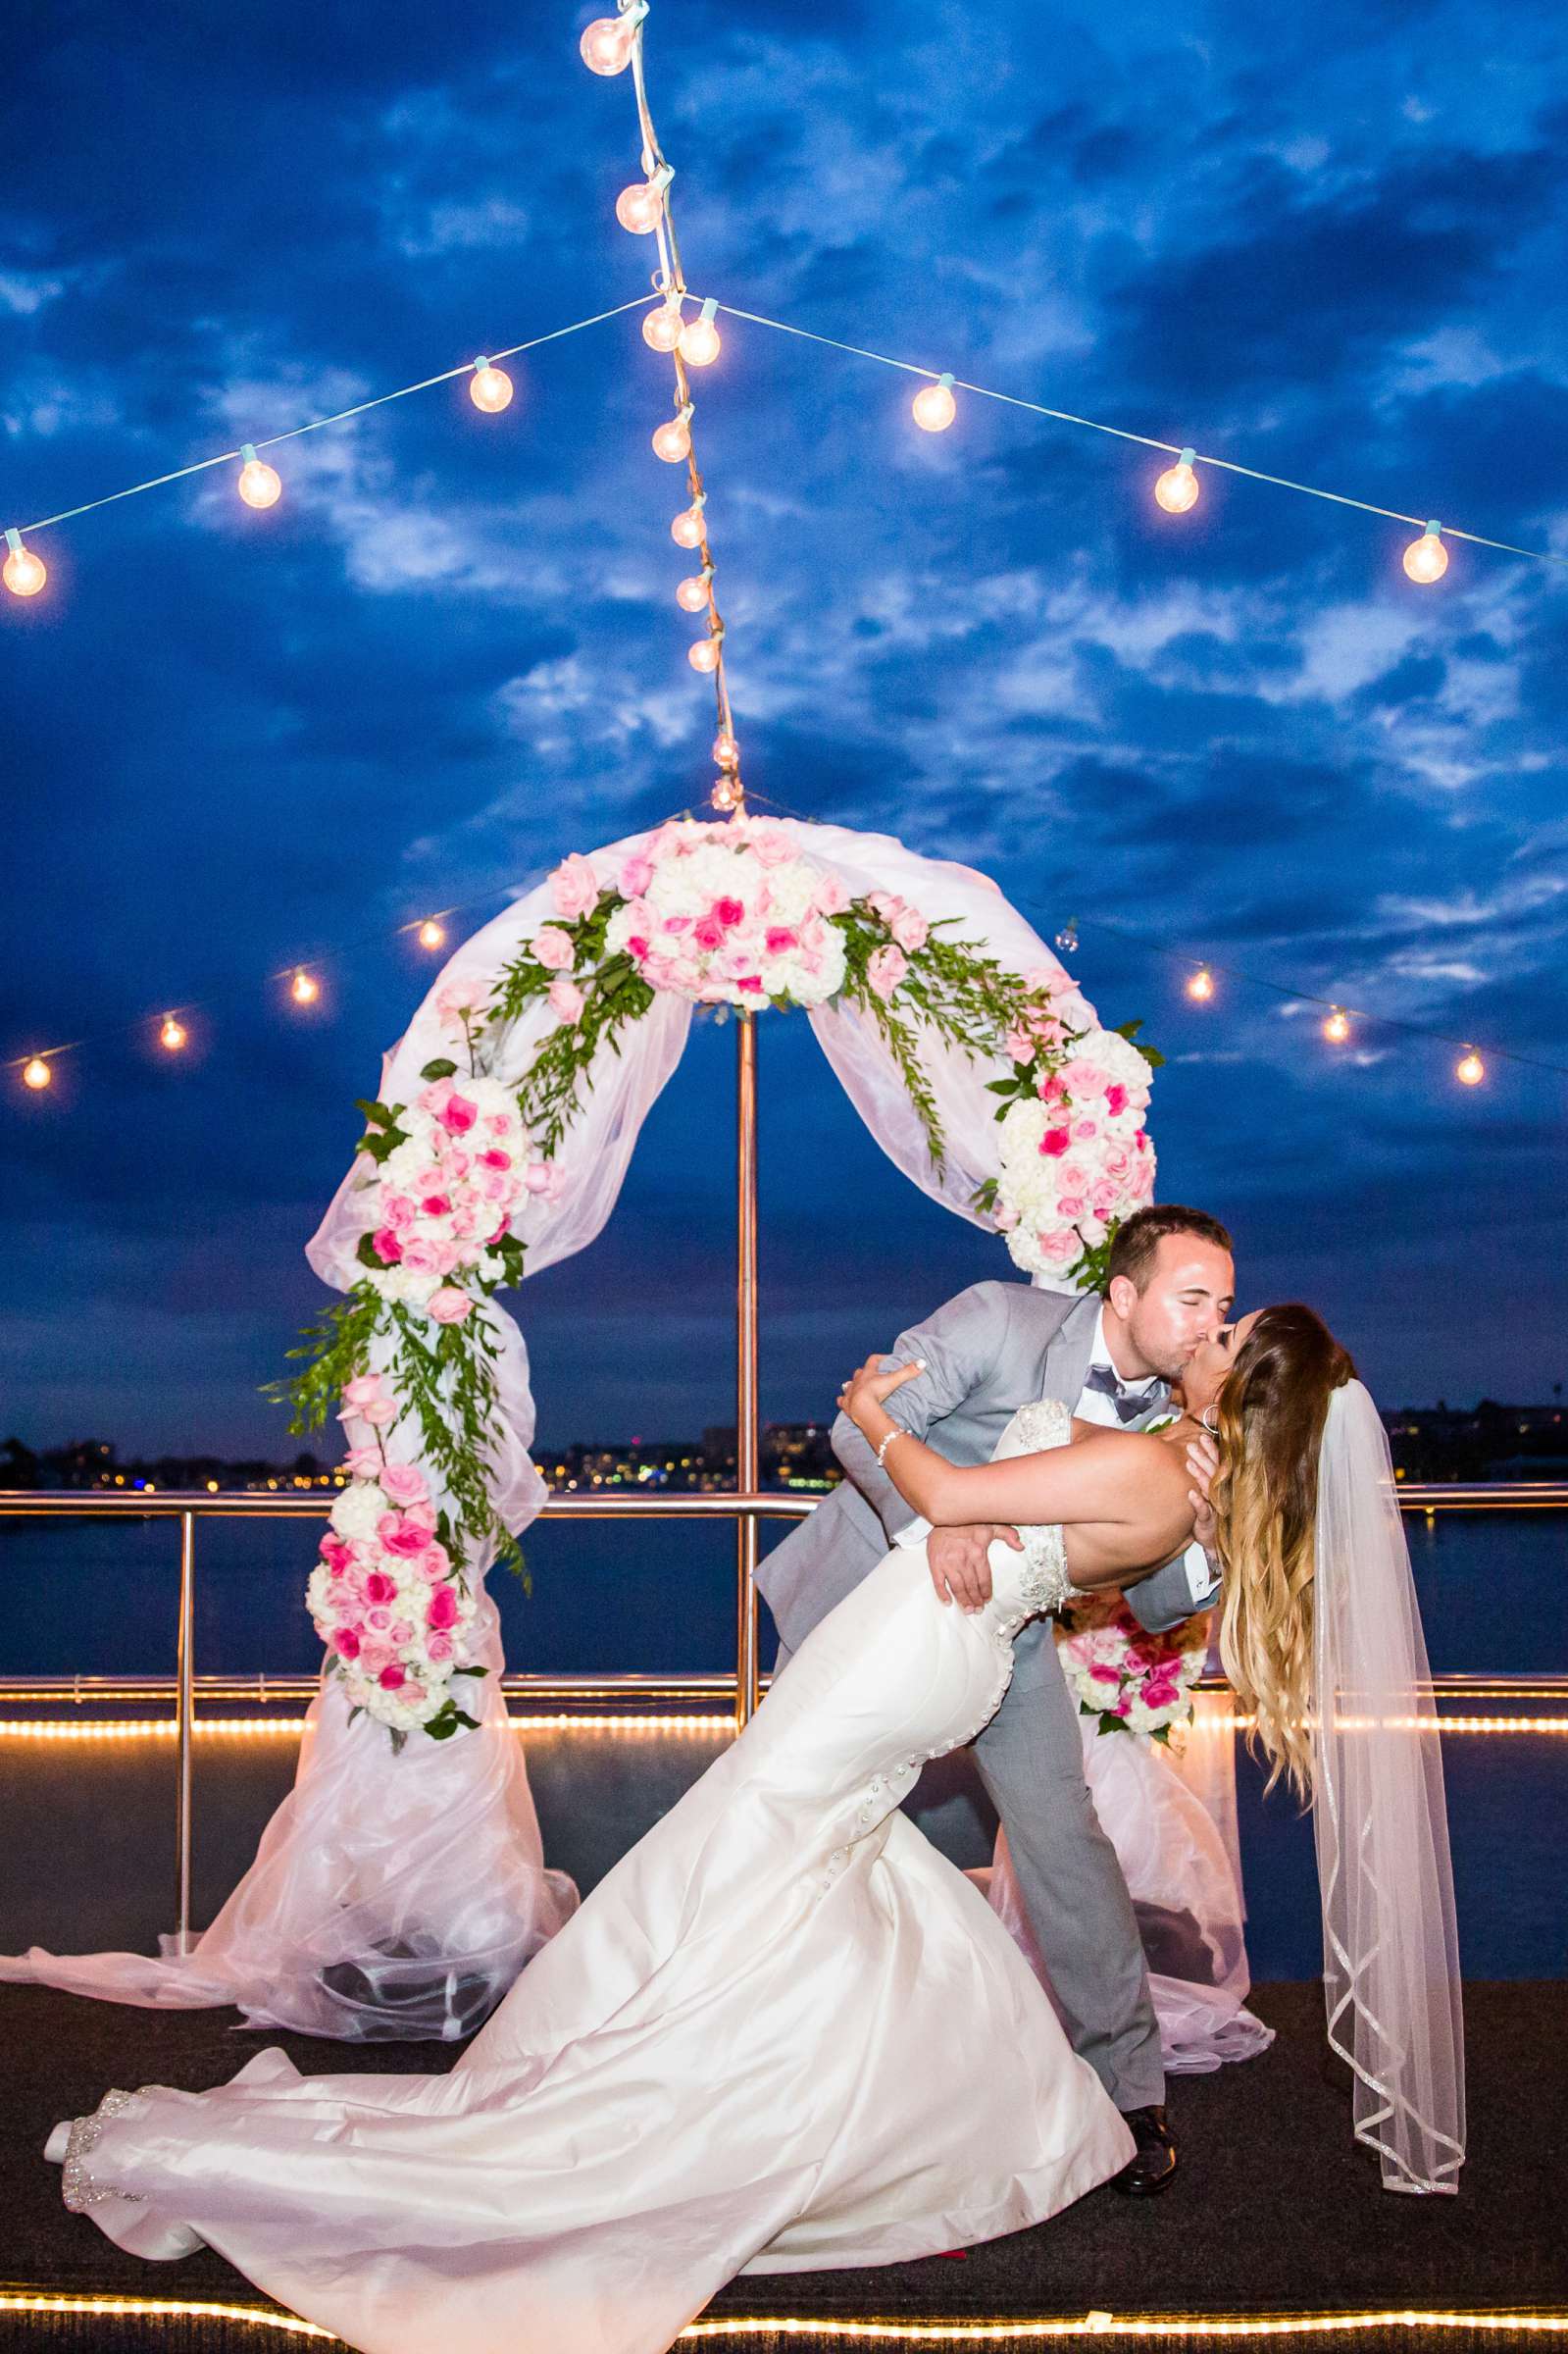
{"type": "Point", "coordinates": [960, 1561]}
{"type": "Point", "coordinates": [1202, 1462]}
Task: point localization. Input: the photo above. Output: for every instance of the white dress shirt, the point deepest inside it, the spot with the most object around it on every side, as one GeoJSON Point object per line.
{"type": "Point", "coordinates": [1093, 1406]}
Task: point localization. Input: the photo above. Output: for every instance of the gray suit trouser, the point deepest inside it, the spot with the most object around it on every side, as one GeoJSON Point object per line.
{"type": "Point", "coordinates": [1030, 1760]}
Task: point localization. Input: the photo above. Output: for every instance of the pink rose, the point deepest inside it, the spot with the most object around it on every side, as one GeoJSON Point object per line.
{"type": "Point", "coordinates": [636, 876]}
{"type": "Point", "coordinates": [402, 1631]}
{"type": "Point", "coordinates": [566, 1001]}
{"type": "Point", "coordinates": [457, 998]}
{"type": "Point", "coordinates": [1116, 1101]}
{"type": "Point", "coordinates": [336, 1554]}
{"type": "Point", "coordinates": [553, 948]}
{"type": "Point", "coordinates": [458, 1114]}
{"type": "Point", "coordinates": [832, 894]}
{"type": "Point", "coordinates": [1071, 1206]}
{"type": "Point", "coordinates": [884, 969]}
{"type": "Point", "coordinates": [434, 1564]}
{"type": "Point", "coordinates": [397, 1212]}
{"type": "Point", "coordinates": [1006, 1217]}
{"type": "Point", "coordinates": [404, 1483]}
{"type": "Point", "coordinates": [422, 1257]}
{"type": "Point", "coordinates": [1141, 1185]}
{"type": "Point", "coordinates": [391, 1678]}
{"type": "Point", "coordinates": [1106, 1199]}
{"type": "Point", "coordinates": [780, 940]}
{"type": "Point", "coordinates": [729, 912]}
{"type": "Point", "coordinates": [770, 844]}
{"type": "Point", "coordinates": [575, 886]}
{"type": "Point", "coordinates": [1020, 1045]}
{"type": "Point", "coordinates": [1085, 1078]}
{"type": "Point", "coordinates": [379, 1588]}
{"type": "Point", "coordinates": [385, 1245]}
{"type": "Point", "coordinates": [1050, 1089]}
{"type": "Point", "coordinates": [381, 1619]}
{"type": "Point", "coordinates": [883, 904]}
{"type": "Point", "coordinates": [368, 1390]}
{"type": "Point", "coordinates": [1116, 1163]}
{"type": "Point", "coordinates": [1059, 1249]}
{"type": "Point", "coordinates": [346, 1640]}
{"type": "Point", "coordinates": [1054, 1143]}
{"type": "Point", "coordinates": [543, 1179]}
{"type": "Point", "coordinates": [709, 933]}
{"type": "Point", "coordinates": [374, 1656]}
{"type": "Point", "coordinates": [399, 1537]}
{"type": "Point", "coordinates": [363, 1462]}
{"type": "Point", "coordinates": [441, 1611]}
{"type": "Point", "coordinates": [436, 1205]}
{"type": "Point", "coordinates": [910, 929]}
{"type": "Point", "coordinates": [751, 981]}
{"type": "Point", "coordinates": [1084, 1128]}
{"type": "Point", "coordinates": [439, 1647]}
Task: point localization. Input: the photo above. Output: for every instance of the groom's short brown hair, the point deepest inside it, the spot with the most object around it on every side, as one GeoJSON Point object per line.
{"type": "Point", "coordinates": [1139, 1239]}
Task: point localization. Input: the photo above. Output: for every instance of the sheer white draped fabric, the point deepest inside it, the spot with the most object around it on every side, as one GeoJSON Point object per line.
{"type": "Point", "coordinates": [399, 1896]}
{"type": "Point", "coordinates": [1170, 1813]}
{"type": "Point", "coordinates": [1390, 1953]}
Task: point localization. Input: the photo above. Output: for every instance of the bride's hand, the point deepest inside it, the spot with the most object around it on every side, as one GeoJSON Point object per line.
{"type": "Point", "coordinates": [868, 1385]}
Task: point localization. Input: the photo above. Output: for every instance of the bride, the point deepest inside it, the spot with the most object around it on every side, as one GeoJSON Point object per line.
{"type": "Point", "coordinates": [784, 2033]}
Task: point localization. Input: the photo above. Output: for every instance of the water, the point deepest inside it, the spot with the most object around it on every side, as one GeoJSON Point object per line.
{"type": "Point", "coordinates": [99, 1597]}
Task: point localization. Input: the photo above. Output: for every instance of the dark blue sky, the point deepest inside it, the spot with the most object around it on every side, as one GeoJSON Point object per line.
{"type": "Point", "coordinates": [1326, 243]}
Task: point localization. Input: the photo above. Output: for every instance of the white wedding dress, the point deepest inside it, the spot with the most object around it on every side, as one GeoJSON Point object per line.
{"type": "Point", "coordinates": [784, 2034]}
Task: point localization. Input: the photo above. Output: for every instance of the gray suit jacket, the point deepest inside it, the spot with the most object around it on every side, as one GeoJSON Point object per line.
{"type": "Point", "coordinates": [997, 1347]}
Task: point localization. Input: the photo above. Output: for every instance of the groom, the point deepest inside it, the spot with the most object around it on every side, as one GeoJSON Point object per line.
{"type": "Point", "coordinates": [995, 1348]}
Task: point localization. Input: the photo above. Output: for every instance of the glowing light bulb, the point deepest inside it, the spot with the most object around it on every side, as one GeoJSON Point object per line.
{"type": "Point", "coordinates": [606, 46]}
{"type": "Point", "coordinates": [259, 485]}
{"type": "Point", "coordinates": [1201, 985]}
{"type": "Point", "coordinates": [672, 441]}
{"type": "Point", "coordinates": [25, 573]}
{"type": "Point", "coordinates": [661, 328]}
{"type": "Point", "coordinates": [489, 388]}
{"type": "Point", "coordinates": [637, 208]}
{"type": "Point", "coordinates": [173, 1035]}
{"type": "Point", "coordinates": [1471, 1070]}
{"type": "Point", "coordinates": [1337, 1029]}
{"type": "Point", "coordinates": [704, 655]}
{"type": "Point", "coordinates": [37, 1073]}
{"type": "Point", "coordinates": [1178, 487]}
{"type": "Point", "coordinates": [699, 342]}
{"type": "Point", "coordinates": [725, 750]}
{"type": "Point", "coordinates": [933, 407]}
{"type": "Point", "coordinates": [304, 989]}
{"type": "Point", "coordinates": [1427, 560]}
{"type": "Point", "coordinates": [692, 595]}
{"type": "Point", "coordinates": [431, 934]}
{"type": "Point", "coordinates": [726, 793]}
{"type": "Point", "coordinates": [686, 529]}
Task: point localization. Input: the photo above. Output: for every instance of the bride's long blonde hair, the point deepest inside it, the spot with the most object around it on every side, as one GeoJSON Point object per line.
{"type": "Point", "coordinates": [1271, 1415]}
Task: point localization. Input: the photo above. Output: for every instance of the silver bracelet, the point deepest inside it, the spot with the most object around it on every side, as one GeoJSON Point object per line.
{"type": "Point", "coordinates": [888, 1442]}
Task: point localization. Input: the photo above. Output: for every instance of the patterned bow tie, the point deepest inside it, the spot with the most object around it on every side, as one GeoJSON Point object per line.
{"type": "Point", "coordinates": [1129, 1403]}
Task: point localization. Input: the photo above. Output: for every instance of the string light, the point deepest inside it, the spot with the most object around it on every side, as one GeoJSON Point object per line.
{"type": "Point", "coordinates": [1201, 985]}
{"type": "Point", "coordinates": [640, 206]}
{"type": "Point", "coordinates": [1178, 487]}
{"type": "Point", "coordinates": [692, 594]}
{"type": "Point", "coordinates": [661, 328]}
{"type": "Point", "coordinates": [304, 989]}
{"type": "Point", "coordinates": [431, 934]}
{"type": "Point", "coordinates": [725, 750]}
{"type": "Point", "coordinates": [172, 1035]}
{"type": "Point", "coordinates": [726, 794]}
{"type": "Point", "coordinates": [260, 485]}
{"type": "Point", "coordinates": [704, 655]}
{"type": "Point", "coordinates": [1337, 1029]}
{"type": "Point", "coordinates": [606, 46]}
{"type": "Point", "coordinates": [686, 529]}
{"type": "Point", "coordinates": [1470, 1070]}
{"type": "Point", "coordinates": [933, 407]}
{"type": "Point", "coordinates": [1427, 559]}
{"type": "Point", "coordinates": [24, 573]}
{"type": "Point", "coordinates": [672, 441]}
{"type": "Point", "coordinates": [37, 1073]}
{"type": "Point", "coordinates": [1067, 937]}
{"type": "Point", "coordinates": [699, 342]}
{"type": "Point", "coordinates": [491, 388]}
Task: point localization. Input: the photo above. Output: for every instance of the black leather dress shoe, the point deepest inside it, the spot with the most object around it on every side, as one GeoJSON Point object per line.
{"type": "Point", "coordinates": [1153, 2169]}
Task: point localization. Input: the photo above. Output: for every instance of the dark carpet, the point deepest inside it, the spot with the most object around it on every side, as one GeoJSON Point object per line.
{"type": "Point", "coordinates": [1274, 2212]}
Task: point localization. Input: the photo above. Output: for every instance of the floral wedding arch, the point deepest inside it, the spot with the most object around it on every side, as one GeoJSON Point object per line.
{"type": "Point", "coordinates": [508, 1113]}
{"type": "Point", "coordinates": [401, 1885]}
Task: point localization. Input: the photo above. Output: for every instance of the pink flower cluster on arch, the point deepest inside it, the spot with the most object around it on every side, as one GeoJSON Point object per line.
{"type": "Point", "coordinates": [1132, 1681]}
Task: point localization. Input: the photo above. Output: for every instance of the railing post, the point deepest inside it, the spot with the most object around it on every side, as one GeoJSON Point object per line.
{"type": "Point", "coordinates": [748, 1449]}
{"type": "Point", "coordinates": [183, 1707]}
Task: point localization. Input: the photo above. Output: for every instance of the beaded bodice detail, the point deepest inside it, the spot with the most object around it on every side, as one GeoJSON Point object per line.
{"type": "Point", "coordinates": [1042, 1581]}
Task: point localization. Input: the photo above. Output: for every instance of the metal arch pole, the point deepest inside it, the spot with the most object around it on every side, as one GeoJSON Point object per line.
{"type": "Point", "coordinates": [748, 1449]}
{"type": "Point", "coordinates": [184, 1711]}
